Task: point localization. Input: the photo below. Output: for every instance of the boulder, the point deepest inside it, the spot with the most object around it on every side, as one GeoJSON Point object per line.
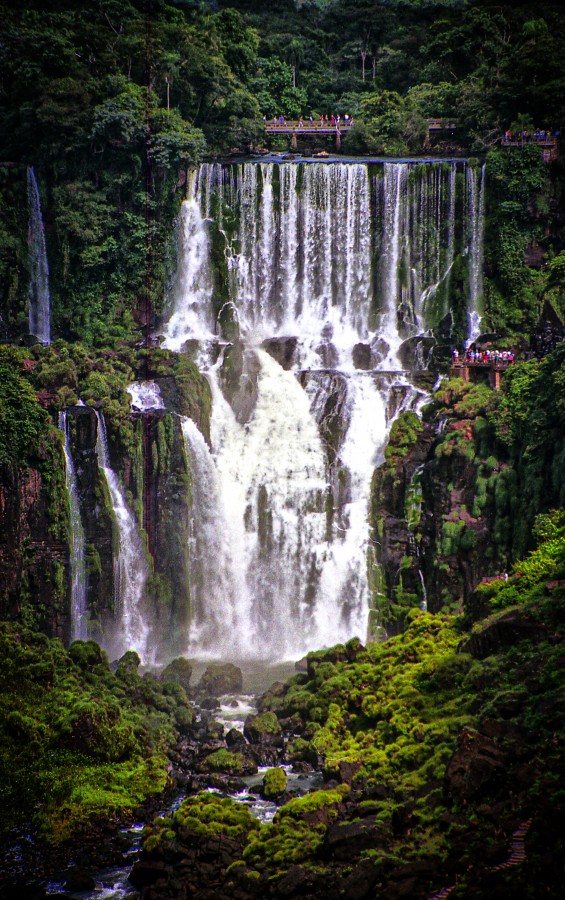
{"type": "Point", "coordinates": [282, 349]}
{"type": "Point", "coordinates": [220, 679]}
{"type": "Point", "coordinates": [362, 357]}
{"type": "Point", "coordinates": [264, 729]}
{"type": "Point", "coordinates": [234, 739]}
{"type": "Point", "coordinates": [416, 352]}
{"type": "Point", "coordinates": [78, 880]}
{"type": "Point", "coordinates": [329, 356]}
{"type": "Point", "coordinates": [274, 783]}
{"type": "Point", "coordinates": [178, 670]}
{"type": "Point", "coordinates": [361, 880]}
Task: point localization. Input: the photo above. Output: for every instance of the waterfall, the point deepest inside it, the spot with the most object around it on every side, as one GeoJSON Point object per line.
{"type": "Point", "coordinates": [79, 622]}
{"type": "Point", "coordinates": [476, 200]}
{"type": "Point", "coordinates": [130, 566]}
{"type": "Point", "coordinates": [38, 290]}
{"type": "Point", "coordinates": [394, 180]}
{"type": "Point", "coordinates": [145, 395]}
{"type": "Point", "coordinates": [220, 614]}
{"type": "Point", "coordinates": [193, 284]}
{"type": "Point", "coordinates": [349, 260]}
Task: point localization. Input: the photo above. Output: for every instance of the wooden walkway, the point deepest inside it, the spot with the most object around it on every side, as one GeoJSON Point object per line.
{"type": "Point", "coordinates": [295, 130]}
{"type": "Point", "coordinates": [549, 146]}
{"type": "Point", "coordinates": [467, 370]}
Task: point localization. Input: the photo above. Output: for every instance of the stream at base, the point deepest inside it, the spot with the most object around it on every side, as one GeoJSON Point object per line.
{"type": "Point", "coordinates": [112, 883]}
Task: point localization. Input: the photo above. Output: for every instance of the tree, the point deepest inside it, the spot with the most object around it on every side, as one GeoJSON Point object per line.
{"type": "Point", "coordinates": [275, 92]}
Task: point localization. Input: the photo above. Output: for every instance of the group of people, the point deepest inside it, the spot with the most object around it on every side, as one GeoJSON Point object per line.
{"type": "Point", "coordinates": [487, 357]}
{"type": "Point", "coordinates": [525, 137]}
{"type": "Point", "coordinates": [325, 121]}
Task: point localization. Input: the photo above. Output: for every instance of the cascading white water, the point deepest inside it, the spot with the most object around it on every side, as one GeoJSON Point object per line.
{"type": "Point", "coordinates": [38, 290]}
{"type": "Point", "coordinates": [476, 200]}
{"type": "Point", "coordinates": [132, 630]}
{"type": "Point", "coordinates": [336, 256]}
{"type": "Point", "coordinates": [79, 621]}
{"type": "Point", "coordinates": [394, 182]}
{"type": "Point", "coordinates": [193, 284]}
{"type": "Point", "coordinates": [145, 395]}
{"type": "Point", "coordinates": [217, 585]}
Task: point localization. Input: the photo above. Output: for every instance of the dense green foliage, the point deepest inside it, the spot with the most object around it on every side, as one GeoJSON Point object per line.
{"type": "Point", "coordinates": [112, 104]}
{"type": "Point", "coordinates": [21, 418]}
{"type": "Point", "coordinates": [76, 740]}
{"type": "Point", "coordinates": [439, 734]}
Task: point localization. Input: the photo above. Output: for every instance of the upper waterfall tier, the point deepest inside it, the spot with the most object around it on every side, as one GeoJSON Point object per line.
{"type": "Point", "coordinates": [341, 252]}
{"type": "Point", "coordinates": [38, 291]}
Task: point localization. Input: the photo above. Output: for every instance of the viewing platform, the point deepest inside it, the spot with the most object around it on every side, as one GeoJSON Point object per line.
{"type": "Point", "coordinates": [295, 129]}
{"type": "Point", "coordinates": [549, 143]}
{"type": "Point", "coordinates": [474, 370]}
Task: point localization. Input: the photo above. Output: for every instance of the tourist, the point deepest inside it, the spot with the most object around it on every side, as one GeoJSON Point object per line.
{"type": "Point", "coordinates": [300, 122]}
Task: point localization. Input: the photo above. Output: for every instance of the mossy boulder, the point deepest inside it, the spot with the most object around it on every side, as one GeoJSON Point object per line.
{"type": "Point", "coordinates": [128, 664]}
{"type": "Point", "coordinates": [178, 670]}
{"type": "Point", "coordinates": [263, 729]}
{"type": "Point", "coordinates": [220, 679]}
{"type": "Point", "coordinates": [228, 762]}
{"type": "Point", "coordinates": [274, 783]}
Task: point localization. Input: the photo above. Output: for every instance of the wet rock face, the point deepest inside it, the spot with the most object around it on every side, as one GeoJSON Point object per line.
{"type": "Point", "coordinates": [166, 516]}
{"type": "Point", "coordinates": [98, 524]}
{"type": "Point", "coordinates": [550, 331]}
{"type": "Point", "coordinates": [282, 349]}
{"type": "Point", "coordinates": [328, 393]}
{"type": "Point", "coordinates": [238, 377]}
{"type": "Point", "coordinates": [29, 553]}
{"type": "Point", "coordinates": [228, 323]}
{"type": "Point", "coordinates": [416, 353]}
{"type": "Point", "coordinates": [476, 764]}
{"type": "Point", "coordinates": [506, 630]}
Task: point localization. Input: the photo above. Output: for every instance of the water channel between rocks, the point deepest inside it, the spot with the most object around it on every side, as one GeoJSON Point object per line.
{"type": "Point", "coordinates": [112, 883]}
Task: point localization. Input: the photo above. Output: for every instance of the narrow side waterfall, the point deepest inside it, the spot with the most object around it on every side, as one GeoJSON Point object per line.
{"type": "Point", "coordinates": [79, 620]}
{"type": "Point", "coordinates": [131, 569]}
{"type": "Point", "coordinates": [333, 268]}
{"type": "Point", "coordinates": [38, 290]}
{"type": "Point", "coordinates": [193, 284]}
{"type": "Point", "coordinates": [394, 191]}
{"type": "Point", "coordinates": [476, 220]}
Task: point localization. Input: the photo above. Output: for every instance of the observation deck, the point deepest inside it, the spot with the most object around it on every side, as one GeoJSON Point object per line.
{"type": "Point", "coordinates": [474, 370]}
